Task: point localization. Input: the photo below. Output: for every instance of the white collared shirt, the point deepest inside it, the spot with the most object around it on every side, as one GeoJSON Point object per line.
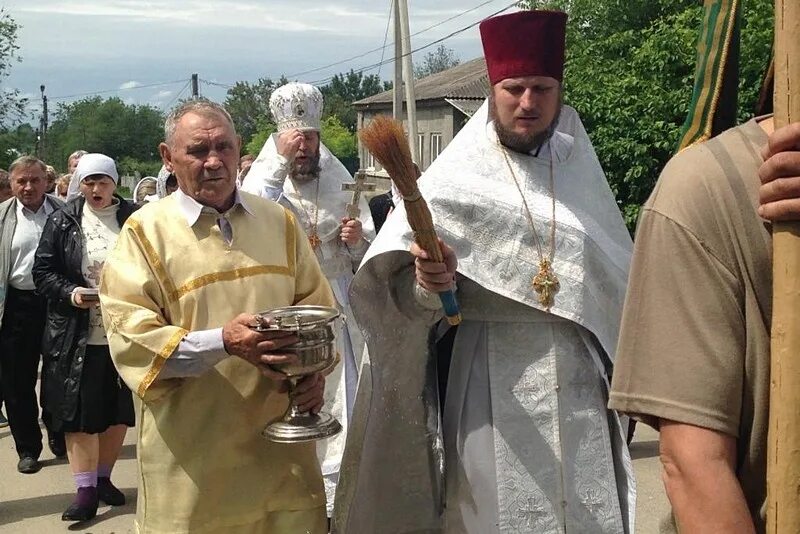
{"type": "Point", "coordinates": [192, 209]}
{"type": "Point", "coordinates": [27, 234]}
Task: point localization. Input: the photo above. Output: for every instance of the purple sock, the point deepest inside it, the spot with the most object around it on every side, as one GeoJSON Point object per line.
{"type": "Point", "coordinates": [104, 471]}
{"type": "Point", "coordinates": [85, 480]}
{"type": "Point", "coordinates": [86, 497]}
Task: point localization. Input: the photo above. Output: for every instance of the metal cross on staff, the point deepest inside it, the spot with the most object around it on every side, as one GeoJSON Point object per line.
{"type": "Point", "coordinates": [359, 186]}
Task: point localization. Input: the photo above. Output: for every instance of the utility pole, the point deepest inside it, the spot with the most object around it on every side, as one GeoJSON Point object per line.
{"type": "Point", "coordinates": [408, 76]}
{"type": "Point", "coordinates": [195, 86]}
{"type": "Point", "coordinates": [397, 108]}
{"type": "Point", "coordinates": [42, 145]}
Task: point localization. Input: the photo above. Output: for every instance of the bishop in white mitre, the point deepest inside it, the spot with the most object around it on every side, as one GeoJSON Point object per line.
{"type": "Point", "coordinates": [297, 170]}
{"type": "Point", "coordinates": [499, 424]}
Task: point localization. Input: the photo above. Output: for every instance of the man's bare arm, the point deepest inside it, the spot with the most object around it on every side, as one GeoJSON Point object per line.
{"type": "Point", "coordinates": [700, 478]}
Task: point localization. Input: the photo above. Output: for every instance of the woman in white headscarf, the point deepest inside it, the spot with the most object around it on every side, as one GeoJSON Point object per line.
{"type": "Point", "coordinates": [84, 394]}
{"type": "Point", "coordinates": [146, 190]}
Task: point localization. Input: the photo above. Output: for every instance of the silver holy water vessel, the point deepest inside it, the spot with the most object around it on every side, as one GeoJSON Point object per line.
{"type": "Point", "coordinates": [315, 352]}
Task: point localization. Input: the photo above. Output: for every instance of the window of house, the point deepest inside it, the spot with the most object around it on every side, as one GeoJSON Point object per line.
{"type": "Point", "coordinates": [420, 149]}
{"type": "Point", "coordinates": [436, 145]}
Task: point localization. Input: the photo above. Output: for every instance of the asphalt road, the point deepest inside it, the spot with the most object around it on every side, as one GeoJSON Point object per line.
{"type": "Point", "coordinates": [32, 504]}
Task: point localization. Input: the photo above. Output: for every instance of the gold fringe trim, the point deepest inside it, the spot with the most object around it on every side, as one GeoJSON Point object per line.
{"type": "Point", "coordinates": [161, 359]}
{"type": "Point", "coordinates": [724, 61]}
{"type": "Point", "coordinates": [152, 257]}
{"type": "Point", "coordinates": [291, 242]}
{"type": "Point", "coordinates": [228, 276]}
{"type": "Point", "coordinates": [697, 122]}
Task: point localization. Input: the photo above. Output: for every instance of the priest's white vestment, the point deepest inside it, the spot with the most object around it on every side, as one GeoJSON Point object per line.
{"type": "Point", "coordinates": [524, 441]}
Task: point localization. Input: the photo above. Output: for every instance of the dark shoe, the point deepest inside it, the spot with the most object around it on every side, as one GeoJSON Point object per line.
{"type": "Point", "coordinates": [3, 420]}
{"type": "Point", "coordinates": [84, 507]}
{"type": "Point", "coordinates": [57, 444]}
{"type": "Point", "coordinates": [108, 492]}
{"type": "Point", "coordinates": [28, 465]}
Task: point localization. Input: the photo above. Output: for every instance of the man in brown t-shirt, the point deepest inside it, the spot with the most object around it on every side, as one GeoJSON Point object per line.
{"type": "Point", "coordinates": [693, 354]}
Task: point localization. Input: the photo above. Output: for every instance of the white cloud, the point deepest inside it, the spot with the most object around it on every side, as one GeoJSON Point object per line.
{"type": "Point", "coordinates": [161, 95]}
{"type": "Point", "coordinates": [283, 15]}
{"type": "Point", "coordinates": [130, 85]}
{"type": "Point", "coordinates": [344, 17]}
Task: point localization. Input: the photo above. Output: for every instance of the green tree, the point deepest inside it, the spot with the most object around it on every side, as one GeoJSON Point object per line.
{"type": "Point", "coordinates": [15, 142]}
{"type": "Point", "coordinates": [259, 138]}
{"type": "Point", "coordinates": [12, 106]}
{"type": "Point", "coordinates": [248, 104]}
{"type": "Point", "coordinates": [15, 138]}
{"type": "Point", "coordinates": [439, 60]}
{"type": "Point", "coordinates": [107, 126]}
{"type": "Point", "coordinates": [339, 140]}
{"type": "Point", "coordinates": [346, 88]}
{"type": "Point", "coordinates": [629, 73]}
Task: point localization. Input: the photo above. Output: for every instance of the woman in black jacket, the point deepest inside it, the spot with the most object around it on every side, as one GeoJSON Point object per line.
{"type": "Point", "coordinates": [83, 391]}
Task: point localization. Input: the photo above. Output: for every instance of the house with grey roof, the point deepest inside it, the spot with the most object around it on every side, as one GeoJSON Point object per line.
{"type": "Point", "coordinates": [445, 102]}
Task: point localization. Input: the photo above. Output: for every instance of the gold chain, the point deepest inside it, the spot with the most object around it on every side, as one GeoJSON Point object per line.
{"type": "Point", "coordinates": [313, 238]}
{"type": "Point", "coordinates": [545, 283]}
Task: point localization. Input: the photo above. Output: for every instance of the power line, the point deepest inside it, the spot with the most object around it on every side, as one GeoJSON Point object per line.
{"type": "Point", "coordinates": [368, 52]}
{"type": "Point", "coordinates": [386, 35]}
{"type": "Point", "coordinates": [217, 84]}
{"type": "Point", "coordinates": [177, 96]}
{"type": "Point", "coordinates": [36, 106]}
{"type": "Point", "coordinates": [373, 66]}
{"type": "Point", "coordinates": [118, 89]}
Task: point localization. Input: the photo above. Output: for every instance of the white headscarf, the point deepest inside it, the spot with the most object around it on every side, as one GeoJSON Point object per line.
{"type": "Point", "coordinates": [148, 198]}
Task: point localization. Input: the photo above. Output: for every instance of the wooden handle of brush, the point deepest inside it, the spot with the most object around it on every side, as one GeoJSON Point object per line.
{"type": "Point", "coordinates": [427, 239]}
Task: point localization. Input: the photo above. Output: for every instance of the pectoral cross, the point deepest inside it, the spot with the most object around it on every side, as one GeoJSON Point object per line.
{"type": "Point", "coordinates": [359, 186]}
{"type": "Point", "coordinates": [546, 284]}
{"type": "Point", "coordinates": [314, 241]}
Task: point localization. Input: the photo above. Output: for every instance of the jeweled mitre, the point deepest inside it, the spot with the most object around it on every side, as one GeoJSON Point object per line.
{"type": "Point", "coordinates": [296, 105]}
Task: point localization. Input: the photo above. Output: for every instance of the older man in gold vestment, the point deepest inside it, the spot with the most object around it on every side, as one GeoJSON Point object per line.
{"type": "Point", "coordinates": [178, 295]}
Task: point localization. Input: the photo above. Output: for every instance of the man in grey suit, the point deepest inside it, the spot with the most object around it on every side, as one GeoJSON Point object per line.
{"type": "Point", "coordinates": [22, 311]}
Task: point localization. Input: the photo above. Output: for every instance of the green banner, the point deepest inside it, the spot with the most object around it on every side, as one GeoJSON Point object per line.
{"type": "Point", "coordinates": [713, 107]}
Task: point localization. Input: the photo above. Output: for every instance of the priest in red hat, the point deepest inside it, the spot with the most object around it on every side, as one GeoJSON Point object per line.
{"type": "Point", "coordinates": [499, 424]}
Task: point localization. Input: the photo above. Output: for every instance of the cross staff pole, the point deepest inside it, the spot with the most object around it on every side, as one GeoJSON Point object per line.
{"type": "Point", "coordinates": [359, 186]}
{"type": "Point", "coordinates": [783, 449]}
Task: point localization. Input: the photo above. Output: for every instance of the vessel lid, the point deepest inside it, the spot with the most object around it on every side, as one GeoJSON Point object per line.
{"type": "Point", "coordinates": [296, 318]}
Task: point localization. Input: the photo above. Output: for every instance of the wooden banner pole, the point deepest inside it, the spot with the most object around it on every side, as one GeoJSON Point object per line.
{"type": "Point", "coordinates": [783, 451]}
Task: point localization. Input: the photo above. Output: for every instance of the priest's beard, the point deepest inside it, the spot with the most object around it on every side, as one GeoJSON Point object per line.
{"type": "Point", "coordinates": [308, 170]}
{"type": "Point", "coordinates": [523, 143]}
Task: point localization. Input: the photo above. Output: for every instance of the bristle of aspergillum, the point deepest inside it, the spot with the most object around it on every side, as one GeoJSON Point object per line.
{"type": "Point", "coordinates": [386, 141]}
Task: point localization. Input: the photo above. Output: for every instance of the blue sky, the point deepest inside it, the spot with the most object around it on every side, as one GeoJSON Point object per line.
{"type": "Point", "coordinates": [86, 46]}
